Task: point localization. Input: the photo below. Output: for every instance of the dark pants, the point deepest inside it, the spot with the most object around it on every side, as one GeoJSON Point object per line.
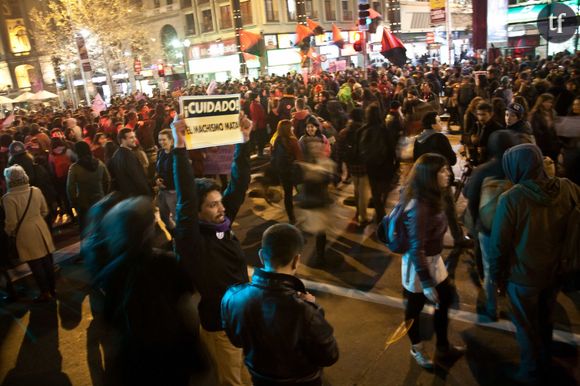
{"type": "Point", "coordinates": [415, 303]}
{"type": "Point", "coordinates": [451, 213]}
{"type": "Point", "coordinates": [43, 272]}
{"type": "Point", "coordinates": [288, 187]}
{"type": "Point", "coordinates": [380, 189]}
{"type": "Point", "coordinates": [258, 382]}
{"type": "Point", "coordinates": [258, 138]}
{"type": "Point", "coordinates": [532, 310]}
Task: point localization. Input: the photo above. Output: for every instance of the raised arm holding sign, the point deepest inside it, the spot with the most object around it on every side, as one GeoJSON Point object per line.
{"type": "Point", "coordinates": [211, 120]}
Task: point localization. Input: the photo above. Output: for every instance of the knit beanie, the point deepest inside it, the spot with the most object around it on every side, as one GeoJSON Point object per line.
{"type": "Point", "coordinates": [16, 148]}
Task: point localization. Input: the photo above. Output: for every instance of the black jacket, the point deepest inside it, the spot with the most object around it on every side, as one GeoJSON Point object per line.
{"type": "Point", "coordinates": [286, 340]}
{"type": "Point", "coordinates": [430, 141]}
{"type": "Point", "coordinates": [127, 174]}
{"type": "Point", "coordinates": [213, 260]}
{"type": "Point", "coordinates": [164, 169]}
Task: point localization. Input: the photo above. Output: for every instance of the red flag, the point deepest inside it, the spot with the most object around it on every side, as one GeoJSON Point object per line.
{"type": "Point", "coordinates": [315, 27]}
{"type": "Point", "coordinates": [337, 36]}
{"type": "Point", "coordinates": [374, 14]}
{"type": "Point", "coordinates": [251, 43]}
{"type": "Point", "coordinates": [393, 49]}
{"type": "Point", "coordinates": [302, 32]}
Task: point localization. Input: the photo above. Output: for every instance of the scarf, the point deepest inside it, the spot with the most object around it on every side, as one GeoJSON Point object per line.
{"type": "Point", "coordinates": [218, 228]}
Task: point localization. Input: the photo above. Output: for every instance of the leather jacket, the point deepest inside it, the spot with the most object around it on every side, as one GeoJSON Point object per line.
{"type": "Point", "coordinates": [286, 340]}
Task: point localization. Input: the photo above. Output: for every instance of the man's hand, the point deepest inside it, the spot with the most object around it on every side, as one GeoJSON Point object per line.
{"type": "Point", "coordinates": [178, 127]}
{"type": "Point", "coordinates": [245, 127]}
{"type": "Point", "coordinates": [307, 297]}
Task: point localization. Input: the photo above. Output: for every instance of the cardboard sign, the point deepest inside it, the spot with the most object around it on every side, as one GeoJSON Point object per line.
{"type": "Point", "coordinates": [211, 120]}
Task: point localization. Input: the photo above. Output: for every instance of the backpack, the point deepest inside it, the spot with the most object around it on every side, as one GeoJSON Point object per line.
{"type": "Point", "coordinates": [491, 189]}
{"type": "Point", "coordinates": [392, 230]}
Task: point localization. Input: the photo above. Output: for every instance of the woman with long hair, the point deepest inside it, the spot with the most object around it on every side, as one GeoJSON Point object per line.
{"type": "Point", "coordinates": [542, 119]}
{"type": "Point", "coordinates": [423, 270]}
{"type": "Point", "coordinates": [285, 152]}
{"type": "Point", "coordinates": [469, 118]}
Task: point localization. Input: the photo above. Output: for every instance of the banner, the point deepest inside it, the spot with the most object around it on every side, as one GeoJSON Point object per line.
{"type": "Point", "coordinates": [437, 11]}
{"type": "Point", "coordinates": [83, 53]}
{"type": "Point", "coordinates": [211, 120]}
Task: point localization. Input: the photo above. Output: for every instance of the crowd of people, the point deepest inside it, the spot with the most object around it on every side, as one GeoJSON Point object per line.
{"type": "Point", "coordinates": [109, 171]}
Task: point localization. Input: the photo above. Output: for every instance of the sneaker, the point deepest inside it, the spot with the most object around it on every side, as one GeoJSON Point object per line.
{"type": "Point", "coordinates": [422, 358]}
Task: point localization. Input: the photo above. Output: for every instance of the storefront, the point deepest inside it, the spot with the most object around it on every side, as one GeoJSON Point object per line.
{"type": "Point", "coordinates": [218, 61]}
{"type": "Point", "coordinates": [524, 37]}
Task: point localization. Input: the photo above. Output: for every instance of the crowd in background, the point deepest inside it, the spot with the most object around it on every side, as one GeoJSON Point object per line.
{"type": "Point", "coordinates": [314, 132]}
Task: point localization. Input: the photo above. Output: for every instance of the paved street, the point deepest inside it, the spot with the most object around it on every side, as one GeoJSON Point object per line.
{"type": "Point", "coordinates": [359, 286]}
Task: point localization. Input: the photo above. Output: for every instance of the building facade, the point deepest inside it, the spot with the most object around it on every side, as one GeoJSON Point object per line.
{"type": "Point", "coordinates": [198, 36]}
{"type": "Point", "coordinates": [22, 67]}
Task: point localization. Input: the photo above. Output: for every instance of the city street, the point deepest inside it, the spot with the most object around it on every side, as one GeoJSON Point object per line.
{"type": "Point", "coordinates": [359, 287]}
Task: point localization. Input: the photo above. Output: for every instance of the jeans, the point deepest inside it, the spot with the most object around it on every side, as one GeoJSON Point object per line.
{"type": "Point", "coordinates": [532, 310]}
{"type": "Point", "coordinates": [167, 202]}
{"type": "Point", "coordinates": [416, 302]}
{"type": "Point", "coordinates": [43, 272]}
{"type": "Point", "coordinates": [489, 287]}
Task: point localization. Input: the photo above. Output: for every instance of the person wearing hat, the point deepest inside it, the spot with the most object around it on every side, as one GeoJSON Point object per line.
{"type": "Point", "coordinates": [17, 154]}
{"type": "Point", "coordinates": [504, 91]}
{"type": "Point", "coordinates": [515, 121]}
{"type": "Point", "coordinates": [26, 205]}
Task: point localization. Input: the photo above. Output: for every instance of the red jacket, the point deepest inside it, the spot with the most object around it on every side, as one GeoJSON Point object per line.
{"type": "Point", "coordinates": [258, 115]}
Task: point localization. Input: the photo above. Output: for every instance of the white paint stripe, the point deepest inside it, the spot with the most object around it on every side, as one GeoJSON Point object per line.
{"type": "Point", "coordinates": [463, 316]}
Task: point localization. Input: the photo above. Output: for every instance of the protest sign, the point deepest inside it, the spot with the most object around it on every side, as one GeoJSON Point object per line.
{"type": "Point", "coordinates": [211, 120]}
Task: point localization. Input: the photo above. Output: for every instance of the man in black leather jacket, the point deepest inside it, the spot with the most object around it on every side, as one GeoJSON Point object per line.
{"type": "Point", "coordinates": [285, 338]}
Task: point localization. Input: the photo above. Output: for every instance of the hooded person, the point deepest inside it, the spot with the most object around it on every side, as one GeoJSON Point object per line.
{"type": "Point", "coordinates": [87, 182]}
{"type": "Point", "coordinates": [528, 233]}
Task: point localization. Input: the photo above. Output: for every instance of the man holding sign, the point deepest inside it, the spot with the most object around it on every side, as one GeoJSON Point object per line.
{"type": "Point", "coordinates": [207, 248]}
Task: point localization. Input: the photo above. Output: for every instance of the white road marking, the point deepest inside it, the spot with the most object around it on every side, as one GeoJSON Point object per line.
{"type": "Point", "coordinates": [463, 316]}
